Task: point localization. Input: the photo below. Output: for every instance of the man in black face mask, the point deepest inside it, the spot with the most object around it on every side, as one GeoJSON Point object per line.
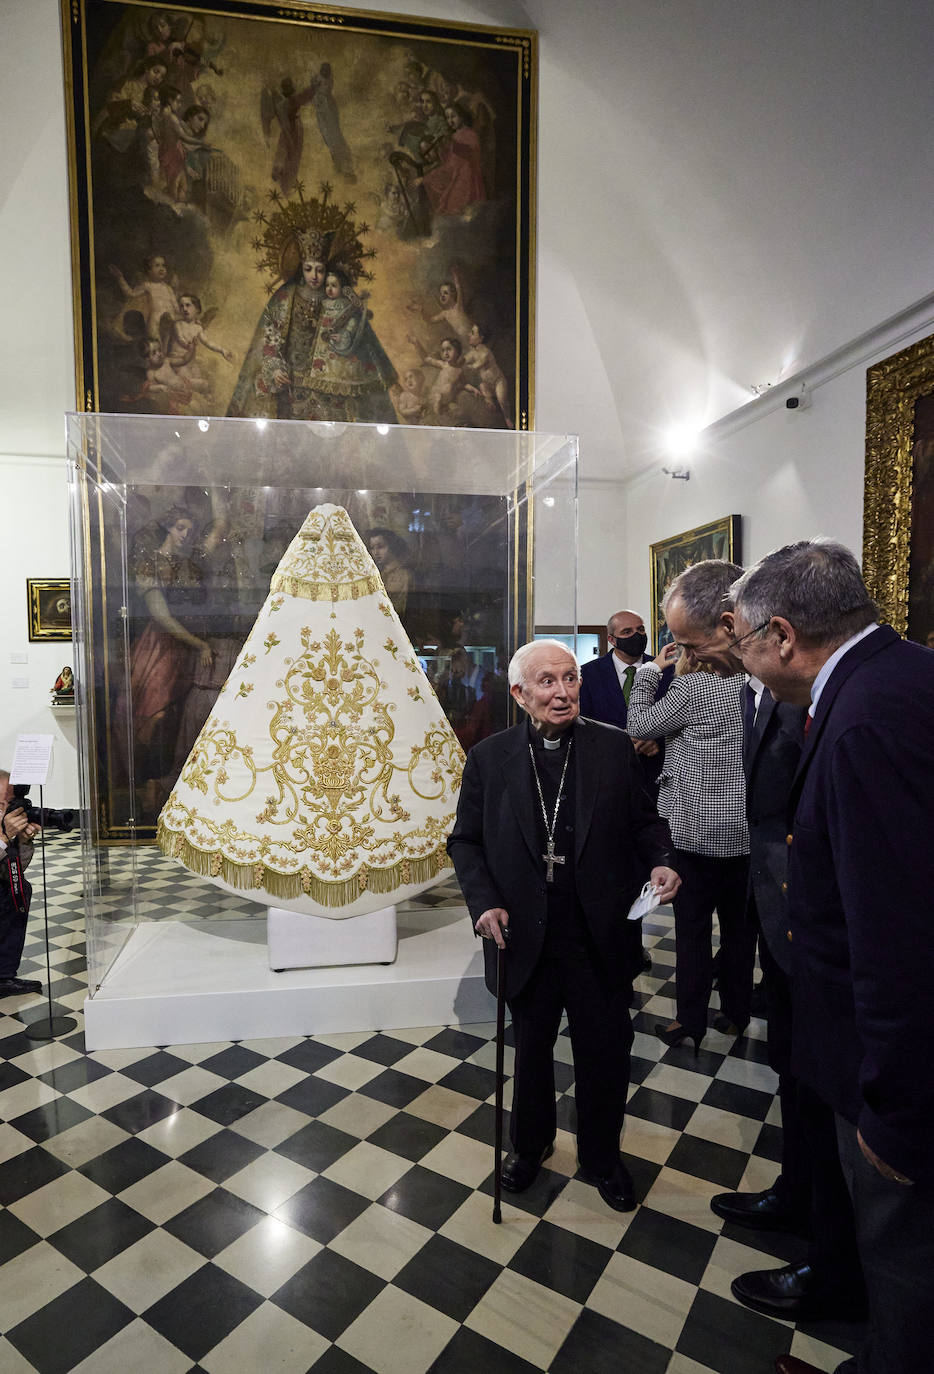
{"type": "Point", "coordinates": [606, 683]}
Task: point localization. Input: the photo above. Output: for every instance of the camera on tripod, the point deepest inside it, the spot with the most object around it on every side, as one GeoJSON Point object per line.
{"type": "Point", "coordinates": [49, 817]}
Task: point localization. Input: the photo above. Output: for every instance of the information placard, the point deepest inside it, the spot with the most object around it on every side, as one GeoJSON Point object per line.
{"type": "Point", "coordinates": [32, 759]}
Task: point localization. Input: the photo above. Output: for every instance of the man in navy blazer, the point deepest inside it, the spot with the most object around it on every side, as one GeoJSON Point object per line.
{"type": "Point", "coordinates": [603, 686]}
{"type": "Point", "coordinates": [861, 874]}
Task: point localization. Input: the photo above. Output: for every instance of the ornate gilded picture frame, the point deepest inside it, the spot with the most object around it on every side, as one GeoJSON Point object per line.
{"type": "Point", "coordinates": [898, 508]}
{"type": "Point", "coordinates": [48, 607]}
{"type": "Point", "coordinates": [301, 213]}
{"type": "Point", "coordinates": [720, 539]}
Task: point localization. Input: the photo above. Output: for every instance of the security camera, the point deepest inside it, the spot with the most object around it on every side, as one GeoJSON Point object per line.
{"type": "Point", "coordinates": [800, 401]}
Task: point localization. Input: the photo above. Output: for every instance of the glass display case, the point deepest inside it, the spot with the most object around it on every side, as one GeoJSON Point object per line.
{"type": "Point", "coordinates": [178, 525]}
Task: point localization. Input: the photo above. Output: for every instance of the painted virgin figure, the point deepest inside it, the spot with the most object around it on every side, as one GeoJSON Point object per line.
{"type": "Point", "coordinates": [315, 355]}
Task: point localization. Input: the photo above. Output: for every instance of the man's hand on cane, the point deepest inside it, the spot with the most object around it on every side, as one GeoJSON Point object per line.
{"type": "Point", "coordinates": [492, 925]}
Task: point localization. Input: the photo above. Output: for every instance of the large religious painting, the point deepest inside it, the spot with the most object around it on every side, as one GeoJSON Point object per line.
{"type": "Point", "coordinates": [898, 509]}
{"type": "Point", "coordinates": [301, 213]}
{"type": "Point", "coordinates": [720, 539]}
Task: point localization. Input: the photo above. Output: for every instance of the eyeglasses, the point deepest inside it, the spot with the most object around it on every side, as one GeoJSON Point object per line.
{"type": "Point", "coordinates": [734, 643]}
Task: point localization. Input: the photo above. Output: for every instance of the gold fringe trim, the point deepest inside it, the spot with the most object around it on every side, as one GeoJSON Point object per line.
{"type": "Point", "coordinates": [285, 886]}
{"type": "Point", "coordinates": [326, 591]}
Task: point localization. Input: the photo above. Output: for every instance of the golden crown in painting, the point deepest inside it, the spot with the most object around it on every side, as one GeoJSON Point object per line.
{"type": "Point", "coordinates": [326, 776]}
{"type": "Point", "coordinates": [317, 229]}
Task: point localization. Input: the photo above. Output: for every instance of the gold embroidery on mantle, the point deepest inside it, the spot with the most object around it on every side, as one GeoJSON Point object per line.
{"type": "Point", "coordinates": [319, 803]}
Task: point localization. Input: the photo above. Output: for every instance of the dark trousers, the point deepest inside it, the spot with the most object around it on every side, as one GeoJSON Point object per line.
{"type": "Point", "coordinates": [569, 978]}
{"type": "Point", "coordinates": [895, 1234]}
{"type": "Point", "coordinates": [811, 1183]}
{"type": "Point", "coordinates": [706, 883]}
{"type": "Point", "coordinates": [12, 931]}
{"type": "Point", "coordinates": [793, 1184]}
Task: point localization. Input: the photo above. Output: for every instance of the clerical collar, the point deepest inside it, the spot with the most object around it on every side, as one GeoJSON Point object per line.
{"type": "Point", "coordinates": [540, 742]}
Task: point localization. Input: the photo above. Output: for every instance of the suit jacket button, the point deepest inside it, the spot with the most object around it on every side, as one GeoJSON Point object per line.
{"type": "Point", "coordinates": [788, 839]}
{"type": "Point", "coordinates": [788, 933]}
{"type": "Point", "coordinates": [784, 887]}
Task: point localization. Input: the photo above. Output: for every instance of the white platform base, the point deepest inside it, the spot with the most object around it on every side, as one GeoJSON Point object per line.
{"type": "Point", "coordinates": [299, 940]}
{"type": "Point", "coordinates": [179, 984]}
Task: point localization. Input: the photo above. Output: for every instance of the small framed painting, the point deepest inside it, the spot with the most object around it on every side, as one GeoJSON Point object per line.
{"type": "Point", "coordinates": [48, 602]}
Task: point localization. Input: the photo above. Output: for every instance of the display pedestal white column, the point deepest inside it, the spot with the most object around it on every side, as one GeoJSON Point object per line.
{"type": "Point", "coordinates": [297, 940]}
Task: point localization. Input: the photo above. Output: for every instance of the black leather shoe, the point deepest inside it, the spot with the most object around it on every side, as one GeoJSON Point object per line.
{"type": "Point", "coordinates": [520, 1171]}
{"type": "Point", "coordinates": [796, 1293]}
{"type": "Point", "coordinates": [728, 1027]}
{"type": "Point", "coordinates": [675, 1033]}
{"type": "Point", "coordinates": [616, 1188]}
{"type": "Point", "coordinates": [790, 1364]}
{"type": "Point", "coordinates": [15, 987]}
{"type": "Point", "coordinates": [646, 960]}
{"type": "Point", "coordinates": [760, 1211]}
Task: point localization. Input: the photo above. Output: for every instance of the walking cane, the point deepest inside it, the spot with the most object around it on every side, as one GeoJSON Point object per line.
{"type": "Point", "coordinates": [500, 1033]}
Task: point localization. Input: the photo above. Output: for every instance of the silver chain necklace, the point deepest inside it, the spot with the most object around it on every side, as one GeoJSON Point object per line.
{"type": "Point", "coordinates": [550, 857]}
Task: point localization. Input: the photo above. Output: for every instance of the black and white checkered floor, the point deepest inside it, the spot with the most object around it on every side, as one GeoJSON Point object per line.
{"type": "Point", "coordinates": [323, 1203]}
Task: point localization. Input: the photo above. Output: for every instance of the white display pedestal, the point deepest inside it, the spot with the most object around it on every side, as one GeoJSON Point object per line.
{"type": "Point", "coordinates": [177, 983]}
{"type": "Point", "coordinates": [297, 940]}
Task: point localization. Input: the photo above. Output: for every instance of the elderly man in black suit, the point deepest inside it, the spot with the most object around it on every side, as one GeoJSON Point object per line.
{"type": "Point", "coordinates": [809, 1195]}
{"type": "Point", "coordinates": [861, 872]}
{"type": "Point", "coordinates": [553, 840]}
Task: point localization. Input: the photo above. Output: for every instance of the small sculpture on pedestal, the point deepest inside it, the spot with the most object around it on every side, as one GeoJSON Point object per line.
{"type": "Point", "coordinates": [63, 693]}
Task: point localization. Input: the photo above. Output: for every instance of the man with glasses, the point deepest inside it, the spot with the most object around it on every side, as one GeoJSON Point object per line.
{"type": "Point", "coordinates": [861, 872]}
{"type": "Point", "coordinates": [809, 1196]}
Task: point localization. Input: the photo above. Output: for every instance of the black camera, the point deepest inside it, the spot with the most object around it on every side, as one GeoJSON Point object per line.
{"type": "Point", "coordinates": [49, 817]}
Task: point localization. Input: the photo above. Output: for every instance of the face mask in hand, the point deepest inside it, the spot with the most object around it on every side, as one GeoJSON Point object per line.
{"type": "Point", "coordinates": [631, 645]}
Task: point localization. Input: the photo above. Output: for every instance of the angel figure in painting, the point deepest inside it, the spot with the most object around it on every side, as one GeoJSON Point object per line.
{"type": "Point", "coordinates": [183, 336]}
{"type": "Point", "coordinates": [451, 379]}
{"type": "Point", "coordinates": [282, 106]}
{"type": "Point", "coordinates": [457, 182]}
{"type": "Point", "coordinates": [154, 296]}
{"type": "Point", "coordinates": [411, 398]}
{"type": "Point", "coordinates": [452, 313]}
{"type": "Point", "coordinates": [493, 388]}
{"type": "Point", "coordinates": [163, 391]}
{"type": "Point", "coordinates": [329, 123]}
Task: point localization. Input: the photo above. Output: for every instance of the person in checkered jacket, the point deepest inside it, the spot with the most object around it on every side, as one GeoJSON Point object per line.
{"type": "Point", "coordinates": [702, 795]}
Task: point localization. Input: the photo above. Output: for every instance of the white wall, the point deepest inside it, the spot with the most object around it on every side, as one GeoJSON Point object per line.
{"type": "Point", "coordinates": [35, 544]}
{"type": "Point", "coordinates": [790, 475]}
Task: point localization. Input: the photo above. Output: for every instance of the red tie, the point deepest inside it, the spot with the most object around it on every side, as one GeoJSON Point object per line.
{"type": "Point", "coordinates": [807, 724]}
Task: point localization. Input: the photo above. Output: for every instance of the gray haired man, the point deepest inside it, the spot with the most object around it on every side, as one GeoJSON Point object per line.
{"type": "Point", "coordinates": [861, 873]}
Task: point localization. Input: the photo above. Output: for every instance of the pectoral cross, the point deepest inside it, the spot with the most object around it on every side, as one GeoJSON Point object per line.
{"type": "Point", "coordinates": [551, 858]}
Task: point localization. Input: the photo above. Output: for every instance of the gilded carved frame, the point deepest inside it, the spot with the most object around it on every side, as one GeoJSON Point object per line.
{"type": "Point", "coordinates": [896, 501]}
{"type": "Point", "coordinates": [135, 195]}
